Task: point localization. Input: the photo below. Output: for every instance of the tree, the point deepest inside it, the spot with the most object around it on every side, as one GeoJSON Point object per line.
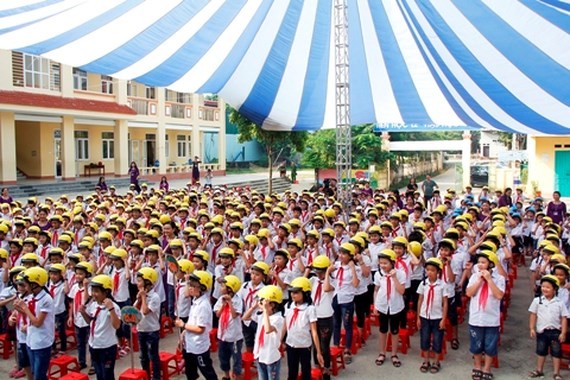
{"type": "Point", "coordinates": [273, 142]}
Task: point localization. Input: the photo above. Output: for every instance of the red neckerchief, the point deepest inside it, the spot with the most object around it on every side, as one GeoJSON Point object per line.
{"type": "Point", "coordinates": [484, 295]}
{"type": "Point", "coordinates": [294, 317]}
{"type": "Point", "coordinates": [430, 298]}
{"type": "Point", "coordinates": [94, 320]}
{"type": "Point", "coordinates": [225, 315]}
{"type": "Point", "coordinates": [277, 271]}
{"type": "Point", "coordinates": [340, 276]}
{"type": "Point", "coordinates": [318, 292]}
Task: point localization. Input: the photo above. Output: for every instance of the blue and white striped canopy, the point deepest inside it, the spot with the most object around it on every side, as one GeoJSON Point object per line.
{"type": "Point", "coordinates": [500, 64]}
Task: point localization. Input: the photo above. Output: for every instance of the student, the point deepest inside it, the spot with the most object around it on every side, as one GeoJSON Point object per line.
{"type": "Point", "coordinates": [58, 290]}
{"type": "Point", "coordinates": [148, 302]}
{"type": "Point", "coordinates": [39, 312]}
{"type": "Point", "coordinates": [486, 288]}
{"type": "Point", "coordinates": [322, 293]}
{"type": "Point", "coordinates": [155, 259]}
{"type": "Point", "coordinates": [197, 329]}
{"type": "Point", "coordinates": [16, 330]}
{"type": "Point", "coordinates": [389, 303]}
{"type": "Point", "coordinates": [301, 330]}
{"type": "Point", "coordinates": [228, 309]}
{"type": "Point", "coordinates": [120, 293]}
{"type": "Point", "coordinates": [104, 318]}
{"type": "Point", "coordinates": [79, 295]}
{"type": "Point", "coordinates": [270, 324]}
{"type": "Point", "coordinates": [432, 314]}
{"type": "Point", "coordinates": [182, 292]}
{"type": "Point", "coordinates": [249, 295]}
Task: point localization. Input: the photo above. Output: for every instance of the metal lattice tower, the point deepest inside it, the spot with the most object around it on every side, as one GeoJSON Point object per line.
{"type": "Point", "coordinates": [343, 131]}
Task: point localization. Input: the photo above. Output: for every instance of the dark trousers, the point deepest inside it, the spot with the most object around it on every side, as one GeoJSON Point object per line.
{"type": "Point", "coordinates": [203, 362]}
{"type": "Point", "coordinates": [361, 308]}
{"type": "Point", "coordinates": [103, 360]}
{"type": "Point", "coordinates": [39, 362]}
{"type": "Point", "coordinates": [82, 335]}
{"type": "Point", "coordinates": [60, 323]}
{"type": "Point", "coordinates": [431, 336]}
{"type": "Point", "coordinates": [324, 330]}
{"type": "Point", "coordinates": [148, 342]}
{"type": "Point", "coordinates": [343, 315]}
{"type": "Point", "coordinates": [170, 300]}
{"type": "Point", "coordinates": [296, 356]}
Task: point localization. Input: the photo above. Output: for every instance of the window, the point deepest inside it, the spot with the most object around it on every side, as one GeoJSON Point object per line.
{"type": "Point", "coordinates": [108, 143]}
{"type": "Point", "coordinates": [79, 79]}
{"type": "Point", "coordinates": [106, 84]}
{"type": "Point", "coordinates": [181, 143]}
{"type": "Point", "coordinates": [183, 97]}
{"type": "Point", "coordinates": [81, 145]}
{"type": "Point", "coordinates": [41, 73]}
{"type": "Point", "coordinates": [150, 92]}
{"type": "Point", "coordinates": [208, 114]}
{"type": "Point", "coordinates": [129, 88]}
{"type": "Point", "coordinates": [166, 147]}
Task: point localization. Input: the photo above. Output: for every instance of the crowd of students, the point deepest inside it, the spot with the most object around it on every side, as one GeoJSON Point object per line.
{"type": "Point", "coordinates": [277, 275]}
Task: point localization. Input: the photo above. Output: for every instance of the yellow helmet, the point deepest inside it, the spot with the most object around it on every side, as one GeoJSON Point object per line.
{"type": "Point", "coordinates": [348, 248]}
{"type": "Point", "coordinates": [165, 219]}
{"type": "Point", "coordinates": [65, 239]}
{"type": "Point", "coordinates": [271, 293]}
{"type": "Point", "coordinates": [202, 255]}
{"type": "Point", "coordinates": [3, 254]}
{"type": "Point", "coordinates": [176, 243]}
{"type": "Point", "coordinates": [489, 255]}
{"type": "Point", "coordinates": [552, 279]}
{"type": "Point", "coordinates": [186, 266]}
{"type": "Point", "coordinates": [375, 229]}
{"type": "Point", "coordinates": [76, 257]}
{"type": "Point", "coordinates": [119, 254]}
{"type": "Point", "coordinates": [562, 266]}
{"type": "Point", "coordinates": [447, 243]}
{"type": "Point", "coordinates": [420, 226]}
{"type": "Point", "coordinates": [296, 242]}
{"type": "Point", "coordinates": [436, 262]}
{"type": "Point", "coordinates": [261, 266]}
{"type": "Point", "coordinates": [415, 248]}
{"type": "Point", "coordinates": [104, 235]}
{"type": "Point", "coordinates": [263, 233]}
{"type": "Point", "coordinates": [36, 275]}
{"type": "Point", "coordinates": [400, 240]}
{"type": "Point", "coordinates": [551, 248]}
{"type": "Point", "coordinates": [148, 274]}
{"type": "Point", "coordinates": [232, 282]}
{"type": "Point", "coordinates": [102, 281]}
{"type": "Point", "coordinates": [31, 240]}
{"type": "Point", "coordinates": [85, 266]}
{"type": "Point", "coordinates": [300, 283]}
{"type": "Point", "coordinates": [227, 252]}
{"type": "Point", "coordinates": [17, 269]}
{"type": "Point", "coordinates": [203, 277]}
{"type": "Point", "coordinates": [558, 258]}
{"type": "Point", "coordinates": [57, 268]}
{"type": "Point", "coordinates": [388, 254]}
{"type": "Point", "coordinates": [357, 241]}
{"type": "Point", "coordinates": [488, 245]}
{"type": "Point", "coordinates": [251, 239]}
{"type": "Point", "coordinates": [321, 262]}
{"type": "Point", "coordinates": [294, 222]}
{"type": "Point", "coordinates": [330, 213]}
{"type": "Point", "coordinates": [31, 258]}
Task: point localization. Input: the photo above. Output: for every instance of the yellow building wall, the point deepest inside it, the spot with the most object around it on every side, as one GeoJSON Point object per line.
{"type": "Point", "coordinates": [95, 148]}
{"type": "Point", "coordinates": [543, 165]}
{"type": "Point", "coordinates": [28, 148]}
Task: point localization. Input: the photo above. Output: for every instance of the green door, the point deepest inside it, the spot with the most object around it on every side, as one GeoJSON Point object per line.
{"type": "Point", "coordinates": [562, 172]}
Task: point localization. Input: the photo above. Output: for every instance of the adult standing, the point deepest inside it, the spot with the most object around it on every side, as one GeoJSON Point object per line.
{"type": "Point", "coordinates": [134, 176]}
{"type": "Point", "coordinates": [412, 185]}
{"type": "Point", "coordinates": [5, 196]}
{"type": "Point", "coordinates": [506, 199]}
{"type": "Point", "coordinates": [556, 209]}
{"type": "Point", "coordinates": [196, 170]}
{"type": "Point", "coordinates": [428, 185]}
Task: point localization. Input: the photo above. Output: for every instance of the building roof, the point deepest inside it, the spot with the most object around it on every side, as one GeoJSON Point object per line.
{"type": "Point", "coordinates": [23, 98]}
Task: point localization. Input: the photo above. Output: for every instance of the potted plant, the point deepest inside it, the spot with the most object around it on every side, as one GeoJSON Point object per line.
{"type": "Point", "coordinates": [536, 192]}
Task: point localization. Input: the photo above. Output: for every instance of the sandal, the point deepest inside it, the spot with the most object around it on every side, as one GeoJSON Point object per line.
{"type": "Point", "coordinates": [380, 359]}
{"type": "Point", "coordinates": [536, 374]}
{"type": "Point", "coordinates": [425, 367]}
{"type": "Point", "coordinates": [435, 367]}
{"type": "Point", "coordinates": [487, 376]}
{"type": "Point", "coordinates": [395, 361]}
{"type": "Point", "coordinates": [347, 357]}
{"type": "Point", "coordinates": [91, 371]}
{"type": "Point", "coordinates": [557, 376]}
{"type": "Point", "coordinates": [455, 344]}
{"type": "Point", "coordinates": [476, 374]}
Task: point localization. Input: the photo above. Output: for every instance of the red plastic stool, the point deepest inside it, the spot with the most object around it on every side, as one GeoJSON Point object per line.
{"type": "Point", "coordinates": [71, 339]}
{"type": "Point", "coordinates": [6, 346]}
{"type": "Point", "coordinates": [249, 371]}
{"type": "Point", "coordinates": [75, 376]}
{"type": "Point", "coordinates": [214, 340]}
{"type": "Point", "coordinates": [166, 326]}
{"type": "Point", "coordinates": [316, 374]}
{"type": "Point", "coordinates": [134, 374]}
{"type": "Point", "coordinates": [412, 319]}
{"type": "Point", "coordinates": [337, 360]}
{"type": "Point", "coordinates": [168, 365]}
{"type": "Point", "coordinates": [61, 365]}
{"type": "Point", "coordinates": [135, 339]}
{"type": "Point", "coordinates": [403, 341]}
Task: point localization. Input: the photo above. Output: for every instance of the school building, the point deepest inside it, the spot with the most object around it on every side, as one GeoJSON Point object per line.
{"type": "Point", "coordinates": [59, 122]}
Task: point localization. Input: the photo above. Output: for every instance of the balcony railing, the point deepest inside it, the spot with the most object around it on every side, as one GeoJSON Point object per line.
{"type": "Point", "coordinates": [177, 111]}
{"type": "Point", "coordinates": [139, 105]}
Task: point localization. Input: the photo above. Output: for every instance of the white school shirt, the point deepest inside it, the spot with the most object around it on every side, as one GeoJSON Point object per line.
{"type": "Point", "coordinates": [234, 331]}
{"type": "Point", "coordinates": [44, 335]}
{"type": "Point", "coordinates": [299, 330]}
{"type": "Point", "coordinates": [102, 334]}
{"type": "Point", "coordinates": [435, 310]}
{"type": "Point", "coordinates": [404, 263]}
{"type": "Point", "coordinates": [364, 281]}
{"type": "Point", "coordinates": [548, 313]}
{"type": "Point", "coordinates": [322, 303]}
{"type": "Point", "coordinates": [564, 296]}
{"type": "Point", "coordinates": [158, 286]}
{"type": "Point", "coordinates": [396, 302]}
{"type": "Point", "coordinates": [264, 253]}
{"type": "Point", "coordinates": [151, 322]}
{"type": "Point", "coordinates": [294, 266]}
{"type": "Point", "coordinates": [219, 274]}
{"type": "Point", "coordinates": [121, 293]}
{"type": "Point", "coordinates": [58, 296]}
{"type": "Point", "coordinates": [342, 282]}
{"type": "Point", "coordinates": [200, 315]}
{"type": "Point", "coordinates": [74, 292]}
{"type": "Point", "coordinates": [248, 294]}
{"type": "Point", "coordinates": [490, 316]}
{"type": "Point", "coordinates": [183, 303]}
{"type": "Point", "coordinates": [268, 353]}
{"type": "Point", "coordinates": [374, 250]}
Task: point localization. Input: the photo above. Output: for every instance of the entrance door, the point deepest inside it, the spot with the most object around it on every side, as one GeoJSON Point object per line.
{"type": "Point", "coordinates": [135, 152]}
{"type": "Point", "coordinates": [57, 152]}
{"type": "Point", "coordinates": [150, 152]}
{"type": "Point", "coordinates": [562, 172]}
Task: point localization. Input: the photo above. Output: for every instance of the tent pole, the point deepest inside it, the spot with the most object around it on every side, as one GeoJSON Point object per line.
{"type": "Point", "coordinates": [343, 131]}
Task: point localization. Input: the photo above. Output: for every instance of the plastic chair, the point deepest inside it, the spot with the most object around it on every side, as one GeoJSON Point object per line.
{"type": "Point", "coordinates": [61, 365]}
{"type": "Point", "coordinates": [134, 374]}
{"type": "Point", "coordinates": [337, 360]}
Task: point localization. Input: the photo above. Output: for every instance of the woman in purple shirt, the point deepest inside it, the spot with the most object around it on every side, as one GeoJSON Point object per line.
{"type": "Point", "coordinates": [134, 176]}
{"type": "Point", "coordinates": [556, 208]}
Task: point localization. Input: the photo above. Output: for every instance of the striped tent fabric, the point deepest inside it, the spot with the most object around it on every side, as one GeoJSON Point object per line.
{"type": "Point", "coordinates": [473, 63]}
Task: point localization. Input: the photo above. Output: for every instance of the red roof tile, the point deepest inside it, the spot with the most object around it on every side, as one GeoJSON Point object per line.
{"type": "Point", "coordinates": [22, 98]}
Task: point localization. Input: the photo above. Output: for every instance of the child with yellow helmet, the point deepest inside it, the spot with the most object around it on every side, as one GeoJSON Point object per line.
{"type": "Point", "coordinates": [228, 309]}
{"type": "Point", "coordinates": [249, 295]}
{"type": "Point", "coordinates": [78, 295]}
{"type": "Point", "coordinates": [104, 318]}
{"type": "Point", "coordinates": [58, 288]}
{"type": "Point", "coordinates": [197, 328]}
{"type": "Point", "coordinates": [182, 292]}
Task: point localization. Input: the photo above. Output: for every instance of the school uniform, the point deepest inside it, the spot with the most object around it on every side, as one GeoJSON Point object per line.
{"type": "Point", "coordinates": [122, 297]}
{"type": "Point", "coordinates": [183, 303]}
{"type": "Point", "coordinates": [102, 340]}
{"type": "Point", "coordinates": [298, 319]}
{"type": "Point", "coordinates": [248, 295]}
{"type": "Point", "coordinates": [548, 324]}
{"type": "Point", "coordinates": [230, 335]}
{"type": "Point", "coordinates": [323, 308]}
{"type": "Point", "coordinates": [40, 339]}
{"type": "Point", "coordinates": [343, 303]}
{"type": "Point", "coordinates": [219, 273]}
{"type": "Point", "coordinates": [197, 346]}
{"type": "Point", "coordinates": [388, 302]}
{"type": "Point", "coordinates": [21, 334]}
{"type": "Point", "coordinates": [431, 314]}
{"type": "Point", "coordinates": [57, 293]}
{"type": "Point", "coordinates": [76, 296]}
{"type": "Point", "coordinates": [148, 329]}
{"type": "Point", "coordinates": [266, 349]}
{"type": "Point", "coordinates": [264, 253]}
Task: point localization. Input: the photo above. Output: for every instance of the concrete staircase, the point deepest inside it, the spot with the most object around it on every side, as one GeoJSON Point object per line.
{"type": "Point", "coordinates": [280, 185]}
